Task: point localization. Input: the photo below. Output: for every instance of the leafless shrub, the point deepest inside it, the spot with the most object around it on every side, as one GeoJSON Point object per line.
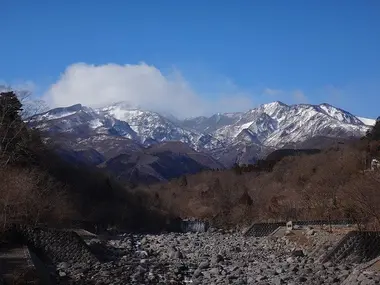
{"type": "Point", "coordinates": [363, 198]}
{"type": "Point", "coordinates": [328, 185]}
{"type": "Point", "coordinates": [31, 196]}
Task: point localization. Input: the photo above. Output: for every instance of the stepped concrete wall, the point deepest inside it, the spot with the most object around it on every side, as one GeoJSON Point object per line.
{"type": "Point", "coordinates": [265, 229]}
{"type": "Point", "coordinates": [55, 245]}
{"type": "Point", "coordinates": [356, 247]}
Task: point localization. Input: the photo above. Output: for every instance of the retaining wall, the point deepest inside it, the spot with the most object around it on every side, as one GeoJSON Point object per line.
{"type": "Point", "coordinates": [356, 247]}
{"type": "Point", "coordinates": [265, 229]}
{"type": "Point", "coordinates": [54, 245]}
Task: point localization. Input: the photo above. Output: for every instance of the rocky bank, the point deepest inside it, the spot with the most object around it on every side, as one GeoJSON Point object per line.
{"type": "Point", "coordinates": [214, 257]}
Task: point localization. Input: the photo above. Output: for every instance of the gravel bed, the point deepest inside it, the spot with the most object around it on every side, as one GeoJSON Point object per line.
{"type": "Point", "coordinates": [211, 258]}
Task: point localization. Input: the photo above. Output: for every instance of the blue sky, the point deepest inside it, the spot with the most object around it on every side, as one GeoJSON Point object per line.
{"type": "Point", "coordinates": [206, 55]}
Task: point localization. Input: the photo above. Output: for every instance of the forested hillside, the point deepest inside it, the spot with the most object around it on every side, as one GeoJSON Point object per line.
{"type": "Point", "coordinates": [329, 184]}
{"type": "Point", "coordinates": [37, 186]}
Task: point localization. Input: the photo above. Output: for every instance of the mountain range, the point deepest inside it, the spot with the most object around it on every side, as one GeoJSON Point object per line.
{"type": "Point", "coordinates": [137, 144]}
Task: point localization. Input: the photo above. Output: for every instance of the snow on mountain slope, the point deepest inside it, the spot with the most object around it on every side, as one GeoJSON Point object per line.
{"type": "Point", "coordinates": [276, 124]}
{"type": "Point", "coordinates": [268, 126]}
{"type": "Point", "coordinates": [367, 122]}
{"type": "Point", "coordinates": [75, 119]}
{"type": "Point", "coordinates": [144, 127]}
{"type": "Point", "coordinates": [210, 124]}
{"type": "Point", "coordinates": [340, 114]}
{"type": "Point", "coordinates": [300, 122]}
{"type": "Point", "coordinates": [152, 127]}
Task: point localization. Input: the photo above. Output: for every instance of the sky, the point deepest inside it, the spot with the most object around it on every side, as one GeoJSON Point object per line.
{"type": "Point", "coordinates": [194, 57]}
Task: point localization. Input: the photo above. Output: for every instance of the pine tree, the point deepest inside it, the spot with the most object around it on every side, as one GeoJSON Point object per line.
{"type": "Point", "coordinates": [12, 128]}
{"type": "Point", "coordinates": [374, 133]}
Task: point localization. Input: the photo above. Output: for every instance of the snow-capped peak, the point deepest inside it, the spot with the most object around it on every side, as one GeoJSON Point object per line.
{"type": "Point", "coordinates": [271, 125]}
{"type": "Point", "coordinates": [121, 105]}
{"type": "Point", "coordinates": [340, 114]}
{"type": "Point", "coordinates": [59, 113]}
{"type": "Point", "coordinates": [275, 124]}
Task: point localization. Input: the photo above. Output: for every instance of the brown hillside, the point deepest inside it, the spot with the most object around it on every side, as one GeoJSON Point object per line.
{"type": "Point", "coordinates": [330, 184]}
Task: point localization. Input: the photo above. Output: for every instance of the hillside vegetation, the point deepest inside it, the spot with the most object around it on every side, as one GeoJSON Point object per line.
{"type": "Point", "coordinates": [38, 186]}
{"type": "Point", "coordinates": [308, 184]}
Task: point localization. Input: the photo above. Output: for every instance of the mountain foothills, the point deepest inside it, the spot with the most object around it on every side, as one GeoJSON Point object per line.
{"type": "Point", "coordinates": [112, 166]}
{"type": "Point", "coordinates": [40, 183]}
{"type": "Point", "coordinates": [142, 145]}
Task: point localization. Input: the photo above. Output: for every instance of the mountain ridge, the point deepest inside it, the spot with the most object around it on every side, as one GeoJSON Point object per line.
{"type": "Point", "coordinates": [239, 137]}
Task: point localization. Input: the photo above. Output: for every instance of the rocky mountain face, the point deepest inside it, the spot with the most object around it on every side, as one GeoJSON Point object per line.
{"type": "Point", "coordinates": [124, 137]}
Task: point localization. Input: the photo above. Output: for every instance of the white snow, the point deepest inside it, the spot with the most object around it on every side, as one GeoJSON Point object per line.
{"type": "Point", "coordinates": [368, 122]}
{"type": "Point", "coordinates": [242, 127]}
{"type": "Point", "coordinates": [48, 116]}
{"type": "Point", "coordinates": [96, 123]}
{"type": "Point", "coordinates": [273, 124]}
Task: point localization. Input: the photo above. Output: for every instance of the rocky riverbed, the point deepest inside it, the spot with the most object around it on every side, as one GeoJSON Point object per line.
{"type": "Point", "coordinates": [212, 258]}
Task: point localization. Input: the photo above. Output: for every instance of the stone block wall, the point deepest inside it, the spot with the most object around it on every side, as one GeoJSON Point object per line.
{"type": "Point", "coordinates": [265, 229]}
{"type": "Point", "coordinates": [356, 247]}
{"type": "Point", "coordinates": [54, 245]}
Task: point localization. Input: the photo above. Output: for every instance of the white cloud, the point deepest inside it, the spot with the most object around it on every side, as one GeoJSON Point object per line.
{"type": "Point", "coordinates": [141, 85]}
{"type": "Point", "coordinates": [299, 96]}
{"type": "Point", "coordinates": [272, 92]}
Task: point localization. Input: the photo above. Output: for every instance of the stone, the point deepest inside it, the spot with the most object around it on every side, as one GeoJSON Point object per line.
{"type": "Point", "coordinates": [217, 258]}
{"type": "Point", "coordinates": [214, 271]}
{"type": "Point", "coordinates": [290, 260]}
{"type": "Point", "coordinates": [294, 268]}
{"type": "Point", "coordinates": [298, 253]}
{"type": "Point", "coordinates": [279, 270]}
{"type": "Point", "coordinates": [327, 264]}
{"type": "Point", "coordinates": [278, 281]}
{"type": "Point", "coordinates": [204, 265]}
{"type": "Point", "coordinates": [144, 241]}
{"type": "Point", "coordinates": [302, 279]}
{"type": "Point", "coordinates": [197, 273]}
{"type": "Point", "coordinates": [261, 278]}
{"type": "Point", "coordinates": [62, 265]}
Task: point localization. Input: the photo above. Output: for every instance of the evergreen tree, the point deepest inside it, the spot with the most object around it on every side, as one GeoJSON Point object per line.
{"type": "Point", "coordinates": [12, 129]}
{"type": "Point", "coordinates": [374, 133]}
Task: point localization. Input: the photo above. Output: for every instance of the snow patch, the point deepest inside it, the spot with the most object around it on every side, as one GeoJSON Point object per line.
{"type": "Point", "coordinates": [368, 122]}
{"type": "Point", "coordinates": [48, 116]}
{"type": "Point", "coordinates": [96, 123]}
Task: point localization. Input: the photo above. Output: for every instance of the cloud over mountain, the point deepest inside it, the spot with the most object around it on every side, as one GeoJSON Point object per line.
{"type": "Point", "coordinates": [140, 85]}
